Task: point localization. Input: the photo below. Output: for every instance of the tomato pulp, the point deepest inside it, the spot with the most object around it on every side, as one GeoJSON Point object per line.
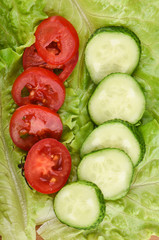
{"type": "Point", "coordinates": [31, 123]}
{"type": "Point", "coordinates": [41, 86]}
{"type": "Point", "coordinates": [32, 59]}
{"type": "Point", "coordinates": [56, 40]}
{"type": "Point", "coordinates": [47, 166]}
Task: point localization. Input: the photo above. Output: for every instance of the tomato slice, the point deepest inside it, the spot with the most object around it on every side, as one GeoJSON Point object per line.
{"type": "Point", "coordinates": [31, 123]}
{"type": "Point", "coordinates": [47, 166]}
{"type": "Point", "coordinates": [32, 59]}
{"type": "Point", "coordinates": [39, 86]}
{"type": "Point", "coordinates": [68, 67]}
{"type": "Point", "coordinates": [56, 40]}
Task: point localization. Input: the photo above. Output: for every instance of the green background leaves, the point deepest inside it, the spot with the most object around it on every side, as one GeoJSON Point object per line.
{"type": "Point", "coordinates": [137, 215]}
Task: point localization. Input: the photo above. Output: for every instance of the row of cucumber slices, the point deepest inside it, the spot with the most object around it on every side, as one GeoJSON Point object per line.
{"type": "Point", "coordinates": [110, 154]}
{"type": "Point", "coordinates": [115, 147]}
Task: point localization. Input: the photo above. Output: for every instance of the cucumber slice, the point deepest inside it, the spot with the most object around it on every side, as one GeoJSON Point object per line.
{"type": "Point", "coordinates": [110, 50]}
{"type": "Point", "coordinates": [80, 205]}
{"type": "Point", "coordinates": [118, 96]}
{"type": "Point", "coordinates": [116, 134]}
{"type": "Point", "coordinates": [110, 169]}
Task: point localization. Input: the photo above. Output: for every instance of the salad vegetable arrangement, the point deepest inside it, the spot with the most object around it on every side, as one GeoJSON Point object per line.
{"type": "Point", "coordinates": [134, 216]}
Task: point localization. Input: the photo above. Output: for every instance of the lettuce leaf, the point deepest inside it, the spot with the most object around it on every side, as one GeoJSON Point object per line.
{"type": "Point", "coordinates": [18, 20]}
{"type": "Point", "coordinates": [137, 215]}
{"type": "Point", "coordinates": [20, 208]}
{"type": "Point", "coordinates": [18, 204]}
{"type": "Point", "coordinates": [133, 217]}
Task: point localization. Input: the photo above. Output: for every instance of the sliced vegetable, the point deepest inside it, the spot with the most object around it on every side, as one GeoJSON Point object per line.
{"type": "Point", "coordinates": [118, 96]}
{"type": "Point", "coordinates": [56, 40]}
{"type": "Point", "coordinates": [32, 59]}
{"type": "Point", "coordinates": [80, 205]}
{"type": "Point", "coordinates": [116, 134]}
{"type": "Point", "coordinates": [67, 68]}
{"type": "Point", "coordinates": [110, 50]}
{"type": "Point", "coordinates": [39, 86]}
{"type": "Point", "coordinates": [110, 169]}
{"type": "Point", "coordinates": [47, 166]}
{"type": "Point", "coordinates": [31, 123]}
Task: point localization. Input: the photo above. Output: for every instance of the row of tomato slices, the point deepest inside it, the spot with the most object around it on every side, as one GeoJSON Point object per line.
{"type": "Point", "coordinates": [39, 91]}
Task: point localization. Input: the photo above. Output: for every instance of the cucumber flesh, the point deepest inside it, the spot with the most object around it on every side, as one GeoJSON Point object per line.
{"type": "Point", "coordinates": [110, 50]}
{"type": "Point", "coordinates": [116, 134]}
{"type": "Point", "coordinates": [80, 205]}
{"type": "Point", "coordinates": [118, 96]}
{"type": "Point", "coordinates": [110, 169]}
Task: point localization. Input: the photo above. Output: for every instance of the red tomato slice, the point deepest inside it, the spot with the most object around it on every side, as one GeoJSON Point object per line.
{"type": "Point", "coordinates": [68, 67]}
{"type": "Point", "coordinates": [47, 166]}
{"type": "Point", "coordinates": [31, 123]}
{"type": "Point", "coordinates": [56, 40]}
{"type": "Point", "coordinates": [32, 59]}
{"type": "Point", "coordinates": [42, 88]}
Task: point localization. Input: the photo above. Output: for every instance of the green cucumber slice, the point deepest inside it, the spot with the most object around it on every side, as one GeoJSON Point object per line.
{"type": "Point", "coordinates": [118, 96]}
{"type": "Point", "coordinates": [112, 49]}
{"type": "Point", "coordinates": [111, 169]}
{"type": "Point", "coordinates": [80, 205]}
{"type": "Point", "coordinates": [116, 134]}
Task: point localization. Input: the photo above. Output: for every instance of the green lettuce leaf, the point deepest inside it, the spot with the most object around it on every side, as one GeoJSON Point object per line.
{"type": "Point", "coordinates": [131, 217]}
{"type": "Point", "coordinates": [137, 215]}
{"type": "Point", "coordinates": [20, 208]}
{"type": "Point", "coordinates": [18, 19]}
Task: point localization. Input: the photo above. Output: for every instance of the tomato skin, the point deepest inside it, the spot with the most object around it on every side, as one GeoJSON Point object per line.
{"type": "Point", "coordinates": [31, 123]}
{"type": "Point", "coordinates": [32, 59]}
{"type": "Point", "coordinates": [68, 68]}
{"type": "Point", "coordinates": [44, 88]}
{"type": "Point", "coordinates": [47, 166]}
{"type": "Point", "coordinates": [56, 40]}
